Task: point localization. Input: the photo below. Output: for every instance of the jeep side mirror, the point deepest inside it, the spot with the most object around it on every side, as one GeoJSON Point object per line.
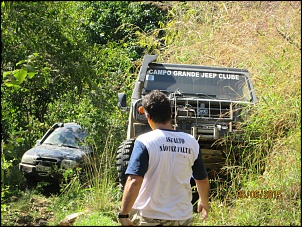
{"type": "Point", "coordinates": [122, 105]}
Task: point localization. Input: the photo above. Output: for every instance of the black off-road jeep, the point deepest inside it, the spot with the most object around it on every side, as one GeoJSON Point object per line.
{"type": "Point", "coordinates": [206, 101]}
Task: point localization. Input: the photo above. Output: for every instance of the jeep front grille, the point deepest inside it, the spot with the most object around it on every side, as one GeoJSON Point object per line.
{"type": "Point", "coordinates": [204, 118]}
{"type": "Point", "coordinates": [204, 109]}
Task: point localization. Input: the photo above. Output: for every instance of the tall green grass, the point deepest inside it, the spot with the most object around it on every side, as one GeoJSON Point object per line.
{"type": "Point", "coordinates": [95, 195]}
{"type": "Point", "coordinates": [261, 37]}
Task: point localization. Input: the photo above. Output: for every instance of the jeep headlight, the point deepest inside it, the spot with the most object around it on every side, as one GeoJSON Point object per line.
{"type": "Point", "coordinates": [26, 158]}
{"type": "Point", "coordinates": [68, 164]}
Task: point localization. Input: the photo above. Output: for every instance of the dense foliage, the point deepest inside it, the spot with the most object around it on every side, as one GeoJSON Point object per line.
{"type": "Point", "coordinates": [66, 61]}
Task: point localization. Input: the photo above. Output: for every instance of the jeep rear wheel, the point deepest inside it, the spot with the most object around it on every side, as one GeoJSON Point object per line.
{"type": "Point", "coordinates": [122, 160]}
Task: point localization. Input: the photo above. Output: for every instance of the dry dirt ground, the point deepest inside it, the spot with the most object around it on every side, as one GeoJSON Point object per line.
{"type": "Point", "coordinates": [36, 213]}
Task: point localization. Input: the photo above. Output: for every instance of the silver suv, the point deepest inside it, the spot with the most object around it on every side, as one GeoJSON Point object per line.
{"type": "Point", "coordinates": [61, 148]}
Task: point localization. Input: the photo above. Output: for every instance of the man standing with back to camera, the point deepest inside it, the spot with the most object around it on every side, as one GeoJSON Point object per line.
{"type": "Point", "coordinates": [158, 189]}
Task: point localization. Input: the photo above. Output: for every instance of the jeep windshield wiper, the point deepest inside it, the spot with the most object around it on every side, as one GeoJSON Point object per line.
{"type": "Point", "coordinates": [206, 95]}
{"type": "Point", "coordinates": [165, 92]}
{"type": "Point", "coordinates": [197, 94]}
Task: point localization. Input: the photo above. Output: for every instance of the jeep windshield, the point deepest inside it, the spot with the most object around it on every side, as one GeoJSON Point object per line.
{"type": "Point", "coordinates": [207, 82]}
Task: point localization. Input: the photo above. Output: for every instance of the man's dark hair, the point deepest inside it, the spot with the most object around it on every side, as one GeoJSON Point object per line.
{"type": "Point", "coordinates": [157, 105]}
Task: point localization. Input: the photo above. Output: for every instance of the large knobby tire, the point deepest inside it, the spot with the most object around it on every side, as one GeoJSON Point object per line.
{"type": "Point", "coordinates": [122, 160]}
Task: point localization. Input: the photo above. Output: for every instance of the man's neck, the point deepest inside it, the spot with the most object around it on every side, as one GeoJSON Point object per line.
{"type": "Point", "coordinates": [167, 126]}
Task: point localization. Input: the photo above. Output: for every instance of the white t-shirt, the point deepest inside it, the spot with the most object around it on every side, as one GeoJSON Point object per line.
{"type": "Point", "coordinates": [165, 159]}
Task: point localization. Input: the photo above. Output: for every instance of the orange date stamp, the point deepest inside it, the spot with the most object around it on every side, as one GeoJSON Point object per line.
{"type": "Point", "coordinates": [259, 194]}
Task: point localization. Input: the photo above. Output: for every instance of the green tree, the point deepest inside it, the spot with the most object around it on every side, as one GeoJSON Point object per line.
{"type": "Point", "coordinates": [56, 67]}
{"type": "Point", "coordinates": [117, 21]}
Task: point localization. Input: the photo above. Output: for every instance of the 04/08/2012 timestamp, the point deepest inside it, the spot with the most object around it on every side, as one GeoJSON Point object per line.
{"type": "Point", "coordinates": [259, 194]}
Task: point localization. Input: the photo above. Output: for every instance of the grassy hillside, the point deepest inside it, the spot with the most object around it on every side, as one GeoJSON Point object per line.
{"type": "Point", "coordinates": [262, 38]}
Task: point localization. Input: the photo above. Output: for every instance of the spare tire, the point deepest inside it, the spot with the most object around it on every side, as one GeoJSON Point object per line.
{"type": "Point", "coordinates": [122, 160]}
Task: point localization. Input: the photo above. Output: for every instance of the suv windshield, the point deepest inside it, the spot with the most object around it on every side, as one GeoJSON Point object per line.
{"type": "Point", "coordinates": [207, 83]}
{"type": "Point", "coordinates": [66, 136]}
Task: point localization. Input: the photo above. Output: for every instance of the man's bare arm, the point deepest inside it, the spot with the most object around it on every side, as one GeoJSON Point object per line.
{"type": "Point", "coordinates": [203, 188]}
{"type": "Point", "coordinates": [132, 187]}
